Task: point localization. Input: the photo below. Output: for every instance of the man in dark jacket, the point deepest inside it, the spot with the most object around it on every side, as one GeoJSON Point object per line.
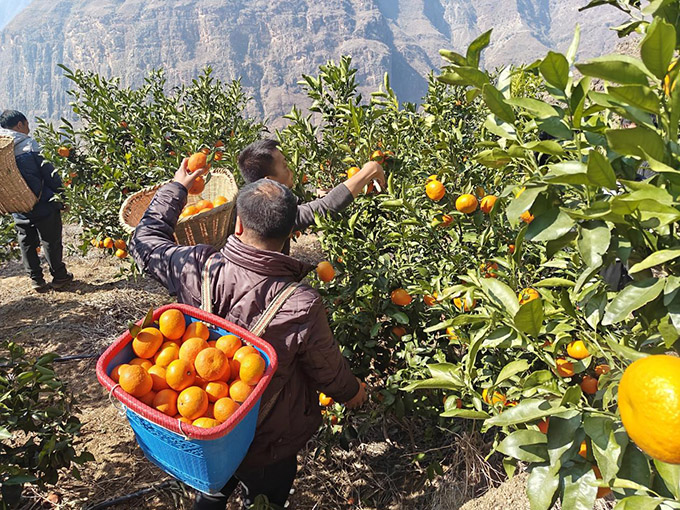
{"type": "Point", "coordinates": [244, 277]}
{"type": "Point", "coordinates": [263, 160]}
{"type": "Point", "coordinates": [42, 225]}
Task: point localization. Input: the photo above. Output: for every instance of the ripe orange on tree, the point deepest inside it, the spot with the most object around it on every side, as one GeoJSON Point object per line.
{"type": "Point", "coordinates": [583, 450]}
{"type": "Point", "coordinates": [325, 400]}
{"type": "Point", "coordinates": [589, 385]}
{"type": "Point", "coordinates": [121, 254]}
{"type": "Point", "coordinates": [64, 152]}
{"type": "Point", "coordinates": [211, 364]}
{"type": "Point", "coordinates": [602, 369]}
{"type": "Point", "coordinates": [135, 380]}
{"type": "Point", "coordinates": [465, 304]}
{"type": "Point", "coordinates": [352, 171]}
{"type": "Point", "coordinates": [240, 391]}
{"type": "Point", "coordinates": [108, 242]}
{"type": "Point", "coordinates": [165, 401]}
{"type": "Point", "coordinates": [224, 408]}
{"type": "Point", "coordinates": [577, 349]}
{"type": "Point", "coordinates": [398, 331]}
{"type": "Point", "coordinates": [119, 244]}
{"type": "Point", "coordinates": [147, 342]}
{"type": "Point", "coordinates": [601, 491]}
{"type": "Point", "coordinates": [252, 369]}
{"type": "Point", "coordinates": [180, 374]}
{"type": "Point", "coordinates": [378, 156]}
{"type": "Point", "coordinates": [466, 203]}
{"type": "Point", "coordinates": [430, 300]}
{"type": "Point", "coordinates": [192, 402]}
{"type": "Point", "coordinates": [543, 425]}
{"type": "Point", "coordinates": [564, 368]}
{"type": "Point", "coordinates": [487, 203]}
{"type": "Point", "coordinates": [447, 219]}
{"type": "Point", "coordinates": [400, 297]}
{"type": "Point", "coordinates": [649, 404]}
{"type": "Point", "coordinates": [218, 156]}
{"type": "Point", "coordinates": [229, 344]}
{"type": "Point", "coordinates": [435, 190]}
{"type": "Point", "coordinates": [526, 217]}
{"type": "Point", "coordinates": [497, 397]}
{"type": "Point", "coordinates": [172, 324]}
{"type": "Point", "coordinates": [196, 161]}
{"type": "Point", "coordinates": [196, 329]}
{"type": "Point", "coordinates": [527, 295]}
{"type": "Point", "coordinates": [325, 271]}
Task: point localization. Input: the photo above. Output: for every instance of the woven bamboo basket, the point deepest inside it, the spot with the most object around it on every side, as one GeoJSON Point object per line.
{"type": "Point", "coordinates": [15, 195]}
{"type": "Point", "coordinates": [211, 227]}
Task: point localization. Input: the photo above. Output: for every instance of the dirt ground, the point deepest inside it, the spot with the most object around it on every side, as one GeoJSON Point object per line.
{"type": "Point", "coordinates": [379, 472]}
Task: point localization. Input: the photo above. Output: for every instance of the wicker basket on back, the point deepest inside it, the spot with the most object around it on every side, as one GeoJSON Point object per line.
{"type": "Point", "coordinates": [15, 195]}
{"type": "Point", "coordinates": [211, 227]}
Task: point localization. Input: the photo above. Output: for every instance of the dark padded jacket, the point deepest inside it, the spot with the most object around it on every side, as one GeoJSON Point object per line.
{"type": "Point", "coordinates": [244, 280]}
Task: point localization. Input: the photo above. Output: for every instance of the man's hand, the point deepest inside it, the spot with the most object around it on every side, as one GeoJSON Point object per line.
{"type": "Point", "coordinates": [185, 178]}
{"type": "Point", "coordinates": [375, 172]}
{"type": "Point", "coordinates": [370, 172]}
{"type": "Point", "coordinates": [358, 399]}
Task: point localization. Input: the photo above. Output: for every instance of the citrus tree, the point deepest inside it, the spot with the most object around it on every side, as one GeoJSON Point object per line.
{"type": "Point", "coordinates": [125, 139]}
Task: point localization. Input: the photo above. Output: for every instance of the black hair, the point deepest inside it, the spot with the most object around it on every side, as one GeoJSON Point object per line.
{"type": "Point", "coordinates": [10, 118]}
{"type": "Point", "coordinates": [256, 161]}
{"type": "Point", "coordinates": [267, 208]}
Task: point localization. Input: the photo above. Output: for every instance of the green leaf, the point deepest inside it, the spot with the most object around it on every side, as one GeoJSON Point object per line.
{"type": "Point", "coordinates": [453, 57]}
{"type": "Point", "coordinates": [435, 383]}
{"type": "Point", "coordinates": [545, 147]}
{"type": "Point", "coordinates": [634, 296]}
{"type": "Point", "coordinates": [636, 142]}
{"type": "Point", "coordinates": [400, 317]}
{"type": "Point", "coordinates": [501, 294]}
{"type": "Point", "coordinates": [523, 203]}
{"type": "Point", "coordinates": [573, 47]}
{"type": "Point", "coordinates": [496, 103]}
{"type": "Point", "coordinates": [476, 47]}
{"type": "Point", "coordinates": [607, 448]}
{"type": "Point", "coordinates": [593, 242]}
{"type": "Point", "coordinates": [4, 433]}
{"type": "Point", "coordinates": [525, 445]}
{"type": "Point", "coordinates": [134, 329]}
{"type": "Point", "coordinates": [658, 46]}
{"type": "Point", "coordinates": [527, 411]}
{"type": "Point", "coordinates": [549, 226]}
{"type": "Point", "coordinates": [655, 259]}
{"type": "Point", "coordinates": [465, 413]}
{"type": "Point", "coordinates": [555, 246]}
{"type": "Point", "coordinates": [638, 503]}
{"type": "Point", "coordinates": [600, 171]}
{"type": "Point", "coordinates": [625, 352]}
{"type": "Point", "coordinates": [568, 172]}
{"type": "Point", "coordinates": [19, 480]}
{"type": "Point", "coordinates": [554, 282]}
{"type": "Point", "coordinates": [639, 96]}
{"type": "Point", "coordinates": [541, 486]}
{"type": "Point", "coordinates": [671, 476]}
{"type": "Point", "coordinates": [148, 320]}
{"type": "Point", "coordinates": [580, 489]}
{"type": "Point", "coordinates": [511, 369]}
{"type": "Point", "coordinates": [529, 318]}
{"type": "Point", "coordinates": [555, 70]}
{"type": "Point", "coordinates": [615, 68]}
{"type": "Point", "coordinates": [473, 76]}
{"type": "Point", "coordinates": [541, 108]}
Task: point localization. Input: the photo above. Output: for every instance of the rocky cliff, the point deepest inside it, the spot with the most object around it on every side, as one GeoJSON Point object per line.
{"type": "Point", "coordinates": [270, 43]}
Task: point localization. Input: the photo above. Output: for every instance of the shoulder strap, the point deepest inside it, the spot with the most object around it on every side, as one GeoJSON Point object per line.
{"type": "Point", "coordinates": [206, 292]}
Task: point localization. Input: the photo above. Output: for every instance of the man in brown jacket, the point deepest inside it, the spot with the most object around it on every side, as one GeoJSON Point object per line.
{"type": "Point", "coordinates": [245, 276]}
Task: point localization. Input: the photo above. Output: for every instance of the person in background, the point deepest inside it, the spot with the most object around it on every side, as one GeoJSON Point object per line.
{"type": "Point", "coordinates": [243, 278]}
{"type": "Point", "coordinates": [263, 160]}
{"type": "Point", "coordinates": [42, 225]}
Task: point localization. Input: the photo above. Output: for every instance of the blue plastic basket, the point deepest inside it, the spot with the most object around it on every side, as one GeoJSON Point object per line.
{"type": "Point", "coordinates": [204, 459]}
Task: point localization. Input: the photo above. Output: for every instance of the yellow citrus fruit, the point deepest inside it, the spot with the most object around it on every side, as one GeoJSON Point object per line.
{"type": "Point", "coordinates": [487, 203]}
{"type": "Point", "coordinates": [229, 344]}
{"type": "Point", "coordinates": [172, 324]}
{"type": "Point", "coordinates": [497, 397]}
{"type": "Point", "coordinates": [205, 423]}
{"type": "Point", "coordinates": [166, 354]}
{"type": "Point", "coordinates": [147, 342]}
{"type": "Point", "coordinates": [577, 349]}
{"type": "Point", "coordinates": [190, 349]}
{"type": "Point", "coordinates": [527, 295]}
{"type": "Point", "coordinates": [165, 401]}
{"type": "Point", "coordinates": [136, 381]}
{"type": "Point", "coordinates": [192, 402]}
{"type": "Point", "coordinates": [466, 203]}
{"type": "Point", "coordinates": [252, 369]}
{"type": "Point", "coordinates": [435, 190]}
{"type": "Point", "coordinates": [196, 330]}
{"type": "Point", "coordinates": [224, 408]}
{"type": "Point", "coordinates": [157, 374]}
{"type": "Point", "coordinates": [325, 400]}
{"type": "Point", "coordinates": [240, 391]}
{"type": "Point", "coordinates": [649, 403]}
{"type": "Point", "coordinates": [108, 242]}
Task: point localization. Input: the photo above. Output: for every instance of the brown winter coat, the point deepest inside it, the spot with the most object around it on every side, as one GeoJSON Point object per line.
{"type": "Point", "coordinates": [243, 281]}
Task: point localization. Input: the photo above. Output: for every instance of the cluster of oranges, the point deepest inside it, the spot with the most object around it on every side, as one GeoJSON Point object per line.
{"type": "Point", "coordinates": [466, 203]}
{"type": "Point", "coordinates": [196, 162]}
{"type": "Point", "coordinates": [117, 246]}
{"type": "Point", "coordinates": [180, 372]}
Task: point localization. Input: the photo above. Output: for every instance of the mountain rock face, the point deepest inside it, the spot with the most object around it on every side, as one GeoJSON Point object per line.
{"type": "Point", "coordinates": [271, 43]}
{"type": "Point", "coordinates": [9, 9]}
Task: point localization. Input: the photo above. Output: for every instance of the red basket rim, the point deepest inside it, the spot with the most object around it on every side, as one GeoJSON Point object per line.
{"type": "Point", "coordinates": [167, 422]}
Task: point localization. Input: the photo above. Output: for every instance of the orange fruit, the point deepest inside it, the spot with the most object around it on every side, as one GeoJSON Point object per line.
{"type": "Point", "coordinates": [511, 248]}
{"type": "Point", "coordinates": [649, 403]}
{"type": "Point", "coordinates": [577, 349]}
{"type": "Point", "coordinates": [430, 300]}
{"type": "Point", "coordinates": [196, 161]}
{"type": "Point", "coordinates": [583, 450]}
{"type": "Point", "coordinates": [325, 400]}
{"type": "Point", "coordinates": [234, 369]}
{"type": "Point", "coordinates": [435, 190]}
{"type": "Point", "coordinates": [147, 398]}
{"type": "Point", "coordinates": [240, 391]}
{"type": "Point", "coordinates": [203, 205]}
{"type": "Point", "coordinates": [467, 204]}
{"type": "Point", "coordinates": [205, 423]}
{"type": "Point", "coordinates": [564, 368]}
{"type": "Point", "coordinates": [601, 491]}
{"type": "Point", "coordinates": [224, 408]}
{"type": "Point", "coordinates": [64, 152]}
{"type": "Point", "coordinates": [352, 172]}
{"type": "Point", "coordinates": [135, 380]}
{"type": "Point", "coordinates": [602, 369]}
{"type": "Point", "coordinates": [189, 210]}
{"type": "Point", "coordinates": [398, 331]}
{"type": "Point", "coordinates": [210, 413]}
{"type": "Point", "coordinates": [229, 344]}
{"type": "Point", "coordinates": [144, 363]}
{"type": "Point", "coordinates": [216, 390]}
{"type": "Point", "coordinates": [465, 304]}
{"type": "Point", "coordinates": [172, 324]}
{"type": "Point", "coordinates": [212, 343]}
{"type": "Point", "coordinates": [220, 200]}
{"type": "Point", "coordinates": [198, 186]}
{"type": "Point", "coordinates": [526, 217]}
{"type": "Point", "coordinates": [451, 333]}
{"type": "Point", "coordinates": [589, 385]}
{"type": "Point", "coordinates": [378, 156]}
{"type": "Point", "coordinates": [183, 419]}
{"type": "Point", "coordinates": [218, 156]}
{"type": "Point", "coordinates": [527, 295]}
{"type": "Point", "coordinates": [196, 329]}
{"type": "Point", "coordinates": [543, 425]}
{"type": "Point", "coordinates": [157, 374]}
{"type": "Point", "coordinates": [180, 374]}
{"type": "Point", "coordinates": [108, 242]}
{"type": "Point", "coordinates": [115, 373]}
{"type": "Point", "coordinates": [243, 352]}
{"type": "Point", "coordinates": [121, 254]}
{"type": "Point", "coordinates": [325, 271]}
{"type": "Point", "coordinates": [210, 363]}
{"type": "Point", "coordinates": [119, 244]}
{"type": "Point", "coordinates": [487, 203]}
{"type": "Point", "coordinates": [147, 342]}
{"type": "Point", "coordinates": [192, 402]}
{"type": "Point", "coordinates": [252, 369]}
{"type": "Point", "coordinates": [400, 297]}
{"type": "Point", "coordinates": [165, 401]}
{"type": "Point", "coordinates": [498, 397]}
{"type": "Point", "coordinates": [166, 354]}
{"type": "Point", "coordinates": [190, 349]}
{"type": "Point", "coordinates": [489, 269]}
{"type": "Point", "coordinates": [447, 219]}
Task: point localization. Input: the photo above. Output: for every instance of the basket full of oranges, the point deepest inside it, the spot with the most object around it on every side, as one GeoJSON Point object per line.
{"type": "Point", "coordinates": [207, 217]}
{"type": "Point", "coordinates": [191, 383]}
